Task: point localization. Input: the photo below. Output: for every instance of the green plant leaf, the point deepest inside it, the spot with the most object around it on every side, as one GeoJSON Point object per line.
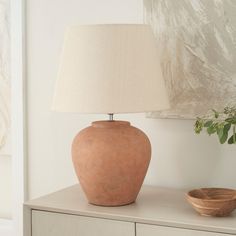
{"type": "Point", "coordinates": [198, 126]}
{"type": "Point", "coordinates": [224, 138]}
{"type": "Point", "coordinates": [227, 127]}
{"type": "Point", "coordinates": [231, 120]}
{"type": "Point", "coordinates": [216, 113]}
{"type": "Point", "coordinates": [219, 122]}
{"type": "Point", "coordinates": [231, 139]}
{"type": "Point", "coordinates": [211, 129]}
{"type": "Point", "coordinates": [220, 132]}
{"type": "Point", "coordinates": [208, 123]}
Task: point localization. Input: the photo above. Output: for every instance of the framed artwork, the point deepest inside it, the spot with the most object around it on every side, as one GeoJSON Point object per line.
{"type": "Point", "coordinates": [5, 94]}
{"type": "Point", "coordinates": [197, 45]}
{"type": "Point", "coordinates": [5, 111]}
{"type": "Point", "coordinates": [12, 147]}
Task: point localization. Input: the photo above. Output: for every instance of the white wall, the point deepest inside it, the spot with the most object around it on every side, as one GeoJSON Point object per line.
{"type": "Point", "coordinates": [180, 159]}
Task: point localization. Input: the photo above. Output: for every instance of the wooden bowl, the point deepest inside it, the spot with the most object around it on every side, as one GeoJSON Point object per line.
{"type": "Point", "coordinates": [212, 201]}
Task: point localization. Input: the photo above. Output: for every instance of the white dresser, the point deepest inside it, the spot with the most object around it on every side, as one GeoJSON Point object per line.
{"type": "Point", "coordinates": [157, 212]}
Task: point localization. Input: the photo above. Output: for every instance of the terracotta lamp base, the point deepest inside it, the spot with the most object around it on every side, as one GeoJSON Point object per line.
{"type": "Point", "coordinates": [111, 159]}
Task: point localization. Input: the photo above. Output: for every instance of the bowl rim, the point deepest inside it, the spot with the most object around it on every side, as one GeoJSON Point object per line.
{"type": "Point", "coordinates": [233, 198]}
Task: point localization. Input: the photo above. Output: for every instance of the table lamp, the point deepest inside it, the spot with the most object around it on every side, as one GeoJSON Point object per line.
{"type": "Point", "coordinates": [110, 69]}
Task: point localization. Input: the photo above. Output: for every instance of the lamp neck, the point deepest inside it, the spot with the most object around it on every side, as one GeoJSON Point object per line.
{"type": "Point", "coordinates": [111, 116]}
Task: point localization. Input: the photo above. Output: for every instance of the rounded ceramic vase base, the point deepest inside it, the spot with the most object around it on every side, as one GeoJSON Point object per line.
{"type": "Point", "coordinates": [118, 205]}
{"type": "Point", "coordinates": [111, 159]}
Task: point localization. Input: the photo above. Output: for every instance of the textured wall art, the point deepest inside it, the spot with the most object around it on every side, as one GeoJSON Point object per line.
{"type": "Point", "coordinates": [4, 78]}
{"type": "Point", "coordinates": [197, 43]}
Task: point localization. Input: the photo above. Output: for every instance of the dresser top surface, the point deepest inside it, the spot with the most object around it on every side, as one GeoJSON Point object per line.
{"type": "Point", "coordinates": [154, 205]}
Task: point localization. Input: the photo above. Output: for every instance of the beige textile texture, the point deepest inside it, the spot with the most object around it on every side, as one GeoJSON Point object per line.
{"type": "Point", "coordinates": [110, 69]}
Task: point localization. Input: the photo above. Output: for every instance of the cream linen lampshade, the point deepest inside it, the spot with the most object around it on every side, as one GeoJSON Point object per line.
{"type": "Point", "coordinates": [110, 69]}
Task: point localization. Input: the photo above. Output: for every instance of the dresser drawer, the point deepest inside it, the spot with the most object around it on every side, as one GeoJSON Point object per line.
{"type": "Point", "coordinates": [152, 230]}
{"type": "Point", "coordinates": [57, 224]}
